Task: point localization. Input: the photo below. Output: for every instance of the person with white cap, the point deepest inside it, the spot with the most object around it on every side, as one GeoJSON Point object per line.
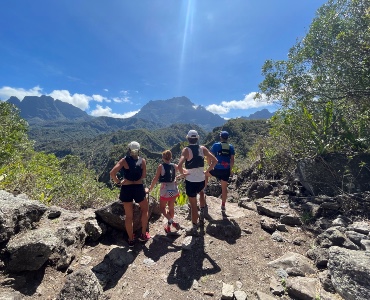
{"type": "Point", "coordinates": [224, 153]}
{"type": "Point", "coordinates": [132, 188]}
{"type": "Point", "coordinates": [193, 157]}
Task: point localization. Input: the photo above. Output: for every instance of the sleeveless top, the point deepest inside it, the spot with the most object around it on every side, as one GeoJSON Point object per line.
{"type": "Point", "coordinates": [168, 173]}
{"type": "Point", "coordinates": [195, 164]}
{"type": "Point", "coordinates": [134, 171]}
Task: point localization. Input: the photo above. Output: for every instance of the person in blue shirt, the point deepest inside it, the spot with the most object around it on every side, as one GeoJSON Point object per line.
{"type": "Point", "coordinates": [224, 152]}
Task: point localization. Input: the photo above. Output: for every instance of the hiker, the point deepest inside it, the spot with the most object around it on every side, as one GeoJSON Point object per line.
{"type": "Point", "coordinates": [132, 188]}
{"type": "Point", "coordinates": [193, 156]}
{"type": "Point", "coordinates": [224, 153]}
{"type": "Point", "coordinates": [166, 175]}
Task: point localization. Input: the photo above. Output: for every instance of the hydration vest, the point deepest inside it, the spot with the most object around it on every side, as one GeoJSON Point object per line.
{"type": "Point", "coordinates": [169, 173]}
{"type": "Point", "coordinates": [225, 149]}
{"type": "Point", "coordinates": [134, 171]}
{"type": "Point", "coordinates": [197, 161]}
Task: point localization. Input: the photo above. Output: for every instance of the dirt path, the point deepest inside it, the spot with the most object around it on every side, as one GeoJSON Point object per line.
{"type": "Point", "coordinates": [161, 269]}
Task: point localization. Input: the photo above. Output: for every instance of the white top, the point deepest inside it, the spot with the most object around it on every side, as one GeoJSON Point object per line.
{"type": "Point", "coordinates": [196, 174]}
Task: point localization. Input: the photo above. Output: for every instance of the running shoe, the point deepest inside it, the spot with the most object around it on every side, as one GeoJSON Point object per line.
{"type": "Point", "coordinates": [167, 228]}
{"type": "Point", "coordinates": [131, 243]}
{"type": "Point", "coordinates": [176, 225]}
{"type": "Point", "coordinates": [144, 237]}
{"type": "Point", "coordinates": [223, 208]}
{"type": "Point", "coordinates": [192, 230]}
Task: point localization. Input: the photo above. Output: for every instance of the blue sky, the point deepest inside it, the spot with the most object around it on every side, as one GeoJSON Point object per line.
{"type": "Point", "coordinates": [112, 57]}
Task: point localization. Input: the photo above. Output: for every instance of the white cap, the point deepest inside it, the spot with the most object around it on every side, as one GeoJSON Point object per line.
{"type": "Point", "coordinates": [193, 134]}
{"type": "Point", "coordinates": [134, 146]}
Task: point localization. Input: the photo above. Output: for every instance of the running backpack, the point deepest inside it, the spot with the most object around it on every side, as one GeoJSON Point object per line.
{"type": "Point", "coordinates": [225, 149]}
{"type": "Point", "coordinates": [134, 171]}
{"type": "Point", "coordinates": [169, 173]}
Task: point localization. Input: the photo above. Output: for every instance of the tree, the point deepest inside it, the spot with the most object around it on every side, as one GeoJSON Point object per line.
{"type": "Point", "coordinates": [325, 82]}
{"type": "Point", "coordinates": [13, 133]}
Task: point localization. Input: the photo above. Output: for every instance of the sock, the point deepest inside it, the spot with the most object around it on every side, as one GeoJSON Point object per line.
{"type": "Point", "coordinates": [170, 221]}
{"type": "Point", "coordinates": [223, 203]}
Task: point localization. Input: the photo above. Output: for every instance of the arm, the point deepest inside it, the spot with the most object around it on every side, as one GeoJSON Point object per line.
{"type": "Point", "coordinates": [184, 155]}
{"type": "Point", "coordinates": [211, 159]}
{"type": "Point", "coordinates": [156, 177]}
{"type": "Point", "coordinates": [116, 168]}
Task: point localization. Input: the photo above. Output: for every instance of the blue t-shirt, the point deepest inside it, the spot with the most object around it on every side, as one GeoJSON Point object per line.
{"type": "Point", "coordinates": [223, 161]}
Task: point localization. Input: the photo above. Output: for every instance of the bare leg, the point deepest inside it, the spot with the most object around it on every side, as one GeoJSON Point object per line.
{"type": "Point", "coordinates": [224, 191]}
{"type": "Point", "coordinates": [164, 211]}
{"type": "Point", "coordinates": [194, 209]}
{"type": "Point", "coordinates": [144, 207]}
{"type": "Point", "coordinates": [202, 199]}
{"type": "Point", "coordinates": [171, 208]}
{"type": "Point", "coordinates": [129, 212]}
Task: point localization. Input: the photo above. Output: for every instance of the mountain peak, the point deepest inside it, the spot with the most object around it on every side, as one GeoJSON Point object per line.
{"type": "Point", "coordinates": [179, 110]}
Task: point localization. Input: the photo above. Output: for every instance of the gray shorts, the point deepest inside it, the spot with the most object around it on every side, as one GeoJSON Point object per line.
{"type": "Point", "coordinates": [168, 191]}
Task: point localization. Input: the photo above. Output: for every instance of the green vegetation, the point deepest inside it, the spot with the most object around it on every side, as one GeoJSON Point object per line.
{"type": "Point", "coordinates": [323, 88]}
{"type": "Point", "coordinates": [67, 182]}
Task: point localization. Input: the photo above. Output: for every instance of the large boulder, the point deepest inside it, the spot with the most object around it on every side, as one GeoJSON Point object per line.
{"type": "Point", "coordinates": [333, 174]}
{"type": "Point", "coordinates": [350, 273]}
{"type": "Point", "coordinates": [114, 214]}
{"type": "Point", "coordinates": [18, 214]}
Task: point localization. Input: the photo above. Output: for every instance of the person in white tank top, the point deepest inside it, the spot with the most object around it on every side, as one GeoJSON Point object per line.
{"type": "Point", "coordinates": [193, 157]}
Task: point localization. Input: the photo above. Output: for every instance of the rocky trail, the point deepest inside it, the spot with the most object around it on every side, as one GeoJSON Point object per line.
{"type": "Point", "coordinates": [259, 250]}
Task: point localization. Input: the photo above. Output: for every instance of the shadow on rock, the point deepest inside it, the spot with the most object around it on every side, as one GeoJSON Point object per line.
{"type": "Point", "coordinates": [161, 245]}
{"type": "Point", "coordinates": [225, 229]}
{"type": "Point", "coordinates": [113, 266]}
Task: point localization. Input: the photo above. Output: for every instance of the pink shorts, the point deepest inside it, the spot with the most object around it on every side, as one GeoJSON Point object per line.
{"type": "Point", "coordinates": [168, 191]}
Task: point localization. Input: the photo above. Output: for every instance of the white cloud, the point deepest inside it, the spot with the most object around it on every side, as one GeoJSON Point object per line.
{"type": "Point", "coordinates": [99, 98]}
{"type": "Point", "coordinates": [124, 92]}
{"type": "Point", "coordinates": [122, 100]}
{"type": "Point", "coordinates": [247, 103]}
{"type": "Point", "coordinates": [6, 92]}
{"type": "Point", "coordinates": [105, 90]}
{"type": "Point", "coordinates": [79, 100]}
{"type": "Point", "coordinates": [217, 109]}
{"type": "Point", "coordinates": [107, 112]}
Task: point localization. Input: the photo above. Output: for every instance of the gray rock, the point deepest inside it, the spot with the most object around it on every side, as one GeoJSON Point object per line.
{"type": "Point", "coordinates": [290, 220]}
{"type": "Point", "coordinates": [18, 214]}
{"type": "Point", "coordinates": [11, 295]}
{"type": "Point", "coordinates": [263, 296]}
{"type": "Point", "coordinates": [81, 284]}
{"type": "Point", "coordinates": [356, 237]}
{"type": "Point", "coordinates": [276, 287]}
{"type": "Point", "coordinates": [265, 207]}
{"type": "Point", "coordinates": [114, 214]}
{"type": "Point", "coordinates": [227, 291]}
{"type": "Point", "coordinates": [302, 288]}
{"type": "Point", "coordinates": [325, 279]}
{"type": "Point", "coordinates": [319, 255]}
{"type": "Point", "coordinates": [293, 260]}
{"type": "Point", "coordinates": [240, 295]}
{"type": "Point", "coordinates": [315, 177]}
{"type": "Point", "coordinates": [276, 236]}
{"type": "Point", "coordinates": [365, 245]}
{"type": "Point", "coordinates": [29, 251]}
{"type": "Point", "coordinates": [268, 224]}
{"type": "Point", "coordinates": [350, 273]}
{"type": "Point", "coordinates": [360, 227]}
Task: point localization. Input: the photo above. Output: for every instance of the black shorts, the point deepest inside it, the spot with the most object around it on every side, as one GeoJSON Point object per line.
{"type": "Point", "coordinates": [132, 192]}
{"type": "Point", "coordinates": [194, 188]}
{"type": "Point", "coordinates": [222, 174]}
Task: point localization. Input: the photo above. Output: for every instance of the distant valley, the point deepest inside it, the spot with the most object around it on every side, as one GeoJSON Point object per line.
{"type": "Point", "coordinates": [63, 129]}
